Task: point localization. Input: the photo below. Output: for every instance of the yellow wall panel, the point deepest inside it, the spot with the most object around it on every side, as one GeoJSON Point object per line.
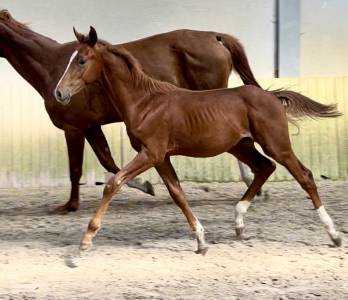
{"type": "Point", "coordinates": [33, 151]}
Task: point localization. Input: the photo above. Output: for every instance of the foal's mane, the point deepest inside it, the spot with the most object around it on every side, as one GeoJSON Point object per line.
{"type": "Point", "coordinates": [141, 80]}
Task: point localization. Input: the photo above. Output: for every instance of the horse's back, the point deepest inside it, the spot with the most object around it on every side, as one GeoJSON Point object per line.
{"type": "Point", "coordinates": [187, 58]}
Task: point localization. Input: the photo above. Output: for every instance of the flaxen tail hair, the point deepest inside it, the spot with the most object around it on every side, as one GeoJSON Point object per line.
{"type": "Point", "coordinates": [299, 106]}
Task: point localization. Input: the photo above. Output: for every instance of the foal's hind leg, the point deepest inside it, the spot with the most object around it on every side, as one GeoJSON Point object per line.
{"type": "Point", "coordinates": [168, 175]}
{"type": "Point", "coordinates": [305, 178]}
{"type": "Point", "coordinates": [262, 167]}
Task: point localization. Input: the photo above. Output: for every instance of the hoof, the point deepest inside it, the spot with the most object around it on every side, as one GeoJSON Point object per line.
{"type": "Point", "coordinates": [337, 241]}
{"type": "Point", "coordinates": [202, 251]}
{"type": "Point", "coordinates": [240, 233]}
{"type": "Point", "coordinates": [85, 245]}
{"type": "Point", "coordinates": [149, 188]}
{"type": "Point", "coordinates": [146, 187]}
{"type": "Point", "coordinates": [66, 208]}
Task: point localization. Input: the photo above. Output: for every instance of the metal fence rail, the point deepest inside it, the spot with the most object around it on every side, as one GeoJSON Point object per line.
{"type": "Point", "coordinates": [33, 151]}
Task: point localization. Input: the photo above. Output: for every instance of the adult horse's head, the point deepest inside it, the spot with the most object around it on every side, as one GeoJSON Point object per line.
{"type": "Point", "coordinates": [9, 27]}
{"type": "Point", "coordinates": [83, 68]}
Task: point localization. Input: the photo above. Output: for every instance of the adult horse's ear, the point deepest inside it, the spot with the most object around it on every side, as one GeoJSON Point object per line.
{"type": "Point", "coordinates": [92, 37]}
{"type": "Point", "coordinates": [80, 37]}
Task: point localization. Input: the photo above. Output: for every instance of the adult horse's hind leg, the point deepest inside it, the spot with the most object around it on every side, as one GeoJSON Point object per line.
{"type": "Point", "coordinates": [305, 178]}
{"type": "Point", "coordinates": [168, 175]}
{"type": "Point", "coordinates": [245, 173]}
{"type": "Point", "coordinates": [262, 167]}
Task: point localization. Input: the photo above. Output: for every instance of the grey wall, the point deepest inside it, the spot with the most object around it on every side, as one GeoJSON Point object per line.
{"type": "Point", "coordinates": [121, 21]}
{"type": "Point", "coordinates": [324, 38]}
{"type": "Point", "coordinates": [321, 48]}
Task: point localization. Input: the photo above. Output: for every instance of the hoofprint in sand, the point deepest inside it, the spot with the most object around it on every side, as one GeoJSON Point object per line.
{"type": "Point", "coordinates": [144, 250]}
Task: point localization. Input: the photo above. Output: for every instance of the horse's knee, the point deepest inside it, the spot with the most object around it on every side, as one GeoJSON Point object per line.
{"type": "Point", "coordinates": [270, 166]}
{"type": "Point", "coordinates": [112, 185]}
{"type": "Point", "coordinates": [266, 166]}
{"type": "Point", "coordinates": [307, 181]}
{"type": "Point", "coordinates": [75, 175]}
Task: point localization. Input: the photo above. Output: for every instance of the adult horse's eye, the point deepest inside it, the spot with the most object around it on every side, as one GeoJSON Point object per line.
{"type": "Point", "coordinates": [81, 61]}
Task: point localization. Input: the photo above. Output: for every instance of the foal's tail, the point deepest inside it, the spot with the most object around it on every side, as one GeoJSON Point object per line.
{"type": "Point", "coordinates": [299, 106]}
{"type": "Point", "coordinates": [239, 59]}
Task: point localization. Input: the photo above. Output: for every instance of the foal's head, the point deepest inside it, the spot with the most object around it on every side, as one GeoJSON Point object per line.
{"type": "Point", "coordinates": [85, 66]}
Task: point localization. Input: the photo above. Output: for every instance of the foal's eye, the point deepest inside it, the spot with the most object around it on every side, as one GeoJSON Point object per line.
{"type": "Point", "coordinates": [81, 61]}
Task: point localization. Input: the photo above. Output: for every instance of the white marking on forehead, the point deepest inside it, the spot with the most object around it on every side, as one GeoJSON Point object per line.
{"type": "Point", "coordinates": [66, 70]}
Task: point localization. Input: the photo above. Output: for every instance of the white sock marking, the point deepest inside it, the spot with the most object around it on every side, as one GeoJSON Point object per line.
{"type": "Point", "coordinates": [240, 211]}
{"type": "Point", "coordinates": [327, 221]}
{"type": "Point", "coordinates": [66, 70]}
{"type": "Point", "coordinates": [199, 234]}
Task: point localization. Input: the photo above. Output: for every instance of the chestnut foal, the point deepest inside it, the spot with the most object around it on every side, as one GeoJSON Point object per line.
{"type": "Point", "coordinates": [163, 120]}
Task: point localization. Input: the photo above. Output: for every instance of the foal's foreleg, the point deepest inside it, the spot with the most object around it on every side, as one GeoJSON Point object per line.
{"type": "Point", "coordinates": [262, 167]}
{"type": "Point", "coordinates": [138, 165]}
{"type": "Point", "coordinates": [172, 183]}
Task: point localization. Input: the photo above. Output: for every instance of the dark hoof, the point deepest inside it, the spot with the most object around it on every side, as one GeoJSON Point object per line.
{"type": "Point", "coordinates": [337, 241]}
{"type": "Point", "coordinates": [66, 208]}
{"type": "Point", "coordinates": [149, 188]}
{"type": "Point", "coordinates": [259, 193]}
{"type": "Point", "coordinates": [202, 251]}
{"type": "Point", "coordinates": [146, 187]}
{"type": "Point", "coordinates": [240, 233]}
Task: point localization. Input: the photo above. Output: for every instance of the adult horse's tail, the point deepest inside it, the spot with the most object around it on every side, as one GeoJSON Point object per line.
{"type": "Point", "coordinates": [297, 105]}
{"type": "Point", "coordinates": [240, 61]}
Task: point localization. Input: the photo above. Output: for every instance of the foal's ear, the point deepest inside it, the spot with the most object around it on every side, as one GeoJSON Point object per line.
{"type": "Point", "coordinates": [80, 37]}
{"type": "Point", "coordinates": [92, 37]}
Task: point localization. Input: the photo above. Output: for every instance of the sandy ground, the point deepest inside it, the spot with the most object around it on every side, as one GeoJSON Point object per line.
{"type": "Point", "coordinates": [145, 248]}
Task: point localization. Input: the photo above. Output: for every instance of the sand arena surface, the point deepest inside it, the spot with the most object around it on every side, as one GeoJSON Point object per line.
{"type": "Point", "coordinates": [145, 249]}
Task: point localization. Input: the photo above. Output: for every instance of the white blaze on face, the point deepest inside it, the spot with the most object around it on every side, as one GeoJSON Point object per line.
{"type": "Point", "coordinates": [241, 209]}
{"type": "Point", "coordinates": [66, 70]}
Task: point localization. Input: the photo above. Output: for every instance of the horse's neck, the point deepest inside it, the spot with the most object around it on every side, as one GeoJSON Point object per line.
{"type": "Point", "coordinates": [128, 99]}
{"type": "Point", "coordinates": [36, 58]}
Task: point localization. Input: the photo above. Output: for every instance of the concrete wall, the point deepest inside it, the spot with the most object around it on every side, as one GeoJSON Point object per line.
{"type": "Point", "coordinates": [321, 49]}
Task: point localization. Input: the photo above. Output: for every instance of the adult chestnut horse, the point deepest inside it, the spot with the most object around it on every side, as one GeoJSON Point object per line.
{"type": "Point", "coordinates": [191, 59]}
{"type": "Point", "coordinates": [163, 120]}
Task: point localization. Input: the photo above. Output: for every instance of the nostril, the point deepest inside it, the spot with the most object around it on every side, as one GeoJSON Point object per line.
{"type": "Point", "coordinates": [59, 94]}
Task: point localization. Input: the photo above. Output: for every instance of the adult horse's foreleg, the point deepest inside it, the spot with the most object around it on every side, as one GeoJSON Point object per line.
{"type": "Point", "coordinates": [99, 144]}
{"type": "Point", "coordinates": [305, 178]}
{"type": "Point", "coordinates": [75, 140]}
{"type": "Point", "coordinates": [138, 165]}
{"type": "Point", "coordinates": [262, 167]}
{"type": "Point", "coordinates": [170, 179]}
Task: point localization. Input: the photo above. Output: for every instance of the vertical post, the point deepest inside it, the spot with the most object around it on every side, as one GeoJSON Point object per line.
{"type": "Point", "coordinates": [276, 38]}
{"type": "Point", "coordinates": [287, 38]}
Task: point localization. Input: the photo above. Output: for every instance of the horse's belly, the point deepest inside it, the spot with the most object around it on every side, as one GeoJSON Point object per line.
{"type": "Point", "coordinates": [206, 146]}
